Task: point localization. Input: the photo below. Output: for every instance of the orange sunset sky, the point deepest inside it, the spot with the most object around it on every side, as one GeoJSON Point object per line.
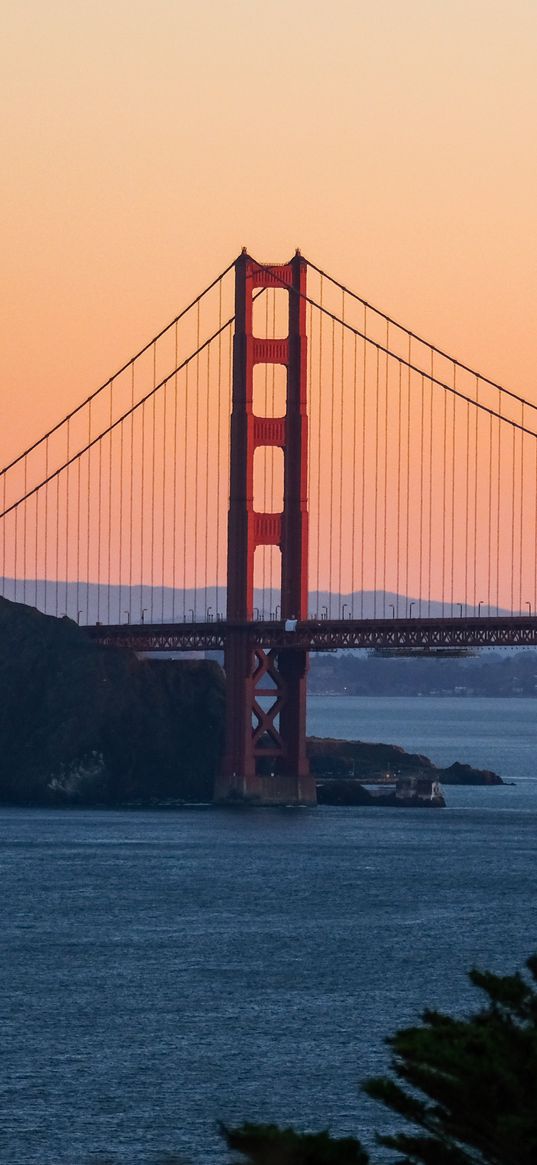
{"type": "Point", "coordinates": [144, 143]}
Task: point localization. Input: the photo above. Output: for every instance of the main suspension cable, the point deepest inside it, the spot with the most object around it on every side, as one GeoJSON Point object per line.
{"type": "Point", "coordinates": [55, 428]}
{"type": "Point", "coordinates": [401, 359]}
{"type": "Point", "coordinates": [118, 421]}
{"type": "Point", "coordinates": [407, 331]}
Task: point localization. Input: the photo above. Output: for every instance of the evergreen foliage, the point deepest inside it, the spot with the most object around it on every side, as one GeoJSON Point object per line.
{"type": "Point", "coordinates": [466, 1088]}
{"type": "Point", "coordinates": [469, 1085]}
{"type": "Point", "coordinates": [271, 1145]}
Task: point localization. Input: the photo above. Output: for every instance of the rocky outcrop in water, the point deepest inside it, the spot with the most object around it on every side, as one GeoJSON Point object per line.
{"type": "Point", "coordinates": [459, 774]}
{"type": "Point", "coordinates": [344, 759]}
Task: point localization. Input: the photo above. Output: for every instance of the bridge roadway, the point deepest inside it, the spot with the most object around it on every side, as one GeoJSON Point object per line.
{"type": "Point", "coordinates": [420, 635]}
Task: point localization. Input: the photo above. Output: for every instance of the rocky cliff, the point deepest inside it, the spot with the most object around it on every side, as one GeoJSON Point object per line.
{"type": "Point", "coordinates": [85, 724]}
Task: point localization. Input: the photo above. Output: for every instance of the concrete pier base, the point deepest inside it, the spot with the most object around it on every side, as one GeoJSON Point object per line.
{"type": "Point", "coordinates": [258, 790]}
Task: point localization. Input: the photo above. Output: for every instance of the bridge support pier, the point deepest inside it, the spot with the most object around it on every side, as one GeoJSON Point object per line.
{"type": "Point", "coordinates": [265, 758]}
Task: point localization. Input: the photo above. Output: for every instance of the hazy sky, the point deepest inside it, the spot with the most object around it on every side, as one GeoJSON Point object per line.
{"type": "Point", "coordinates": [144, 143]}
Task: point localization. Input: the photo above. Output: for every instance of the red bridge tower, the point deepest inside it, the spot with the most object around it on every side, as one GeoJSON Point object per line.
{"type": "Point", "coordinates": [265, 757]}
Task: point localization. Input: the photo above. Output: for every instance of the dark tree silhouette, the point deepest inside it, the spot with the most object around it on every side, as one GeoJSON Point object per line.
{"type": "Point", "coordinates": [271, 1145]}
{"type": "Point", "coordinates": [469, 1085]}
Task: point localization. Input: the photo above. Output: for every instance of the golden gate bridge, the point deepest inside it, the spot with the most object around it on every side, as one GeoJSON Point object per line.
{"type": "Point", "coordinates": [284, 468]}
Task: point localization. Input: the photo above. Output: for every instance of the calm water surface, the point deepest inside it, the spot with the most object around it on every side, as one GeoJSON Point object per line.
{"type": "Point", "coordinates": [161, 971]}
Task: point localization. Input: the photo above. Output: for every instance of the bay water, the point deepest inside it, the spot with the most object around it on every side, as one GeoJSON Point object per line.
{"type": "Point", "coordinates": [163, 971]}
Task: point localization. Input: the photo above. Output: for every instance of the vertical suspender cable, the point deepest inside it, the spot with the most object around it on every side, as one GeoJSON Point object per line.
{"type": "Point", "coordinates": [131, 497]}
{"type": "Point", "coordinates": [430, 529]}
{"type": "Point", "coordinates": [218, 451]}
{"type": "Point", "coordinates": [520, 560]}
{"type": "Point", "coordinates": [422, 457]}
{"type": "Point", "coordinates": [36, 546]}
{"type": "Point", "coordinates": [45, 572]}
{"type": "Point", "coordinates": [398, 520]}
{"type": "Point", "coordinates": [142, 514]}
{"type": "Point", "coordinates": [120, 521]}
{"type": "Point", "coordinates": [407, 523]}
{"type": "Point", "coordinates": [206, 531]}
{"type": "Point", "coordinates": [498, 502]}
{"type": "Point", "coordinates": [110, 480]}
{"type": "Point", "coordinates": [88, 522]}
{"type": "Point", "coordinates": [535, 535]}
{"type": "Point", "coordinates": [15, 553]}
{"type": "Point", "coordinates": [4, 535]}
{"type": "Point", "coordinates": [25, 528]}
{"type": "Point", "coordinates": [444, 497]}
{"type": "Point", "coordinates": [331, 484]}
{"type": "Point", "coordinates": [230, 386]}
{"type": "Point", "coordinates": [341, 456]}
{"type": "Point", "coordinates": [196, 462]}
{"type": "Point", "coordinates": [174, 522]}
{"type": "Point", "coordinates": [185, 483]}
{"type": "Point", "coordinates": [78, 520]}
{"type": "Point", "coordinates": [318, 546]}
{"type": "Point", "coordinates": [467, 510]}
{"type": "Point", "coordinates": [476, 478]}
{"type": "Point", "coordinates": [376, 484]}
{"type": "Point", "coordinates": [513, 474]}
{"type": "Point", "coordinates": [489, 548]}
{"type": "Point", "coordinates": [67, 491]}
{"type": "Point", "coordinates": [453, 459]}
{"type": "Point", "coordinates": [99, 525]}
{"type": "Point", "coordinates": [385, 499]}
{"type": "Point", "coordinates": [163, 522]}
{"type": "Point", "coordinates": [57, 564]}
{"type": "Point", "coordinates": [354, 433]}
{"type": "Point", "coordinates": [310, 408]}
{"type": "Point", "coordinates": [153, 483]}
{"type": "Point", "coordinates": [362, 499]}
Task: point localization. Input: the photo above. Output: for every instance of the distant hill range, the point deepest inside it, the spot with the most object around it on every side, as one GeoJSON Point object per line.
{"type": "Point", "coordinates": [92, 603]}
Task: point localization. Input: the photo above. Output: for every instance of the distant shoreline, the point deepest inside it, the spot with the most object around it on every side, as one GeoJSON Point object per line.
{"type": "Point", "coordinates": [423, 695]}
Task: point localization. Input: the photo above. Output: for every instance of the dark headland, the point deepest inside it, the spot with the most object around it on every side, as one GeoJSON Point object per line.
{"type": "Point", "coordinates": [86, 725]}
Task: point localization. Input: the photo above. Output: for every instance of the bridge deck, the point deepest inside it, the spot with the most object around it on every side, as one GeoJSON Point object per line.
{"type": "Point", "coordinates": [326, 634]}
